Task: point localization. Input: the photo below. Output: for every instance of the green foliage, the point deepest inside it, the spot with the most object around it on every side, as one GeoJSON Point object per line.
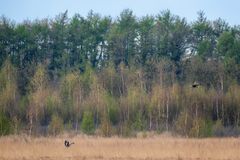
{"type": "Point", "coordinates": [139, 122]}
{"type": "Point", "coordinates": [225, 44]}
{"type": "Point", "coordinates": [87, 79]}
{"type": "Point", "coordinates": [146, 32]}
{"type": "Point", "coordinates": [5, 124]}
{"type": "Point", "coordinates": [121, 37]}
{"type": "Point", "coordinates": [128, 74]}
{"type": "Point", "coordinates": [207, 129]}
{"type": "Point", "coordinates": [51, 106]}
{"type": "Point", "coordinates": [39, 80]}
{"type": "Point", "coordinates": [8, 86]}
{"type": "Point", "coordinates": [194, 127]}
{"type": "Point", "coordinates": [37, 97]}
{"type": "Point", "coordinates": [171, 31]}
{"type": "Point", "coordinates": [218, 129]}
{"type": "Point", "coordinates": [112, 109]}
{"type": "Point", "coordinates": [183, 124]}
{"type": "Point", "coordinates": [87, 125]}
{"type": "Point", "coordinates": [204, 49]}
{"type": "Point", "coordinates": [126, 130]}
{"type": "Point", "coordinates": [106, 126]}
{"type": "Point", "coordinates": [113, 114]}
{"type": "Point", "coordinates": [56, 125]}
{"type": "Point", "coordinates": [201, 128]}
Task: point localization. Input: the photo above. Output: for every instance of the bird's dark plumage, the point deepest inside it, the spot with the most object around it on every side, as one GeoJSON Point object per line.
{"type": "Point", "coordinates": [195, 85]}
{"type": "Point", "coordinates": [67, 143]}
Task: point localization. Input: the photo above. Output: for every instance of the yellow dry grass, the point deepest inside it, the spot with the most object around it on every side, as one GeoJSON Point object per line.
{"type": "Point", "coordinates": [96, 148]}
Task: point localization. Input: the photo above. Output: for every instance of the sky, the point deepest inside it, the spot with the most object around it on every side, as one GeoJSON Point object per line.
{"type": "Point", "coordinates": [20, 10]}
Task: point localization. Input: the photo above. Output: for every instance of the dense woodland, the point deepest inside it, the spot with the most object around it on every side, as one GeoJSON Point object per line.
{"type": "Point", "coordinates": [119, 76]}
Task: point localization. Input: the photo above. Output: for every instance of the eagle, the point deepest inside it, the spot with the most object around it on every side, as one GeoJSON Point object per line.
{"type": "Point", "coordinates": [67, 143]}
{"type": "Point", "coordinates": [195, 84]}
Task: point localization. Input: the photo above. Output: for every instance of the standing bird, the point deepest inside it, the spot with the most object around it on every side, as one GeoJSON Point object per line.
{"type": "Point", "coordinates": [67, 143]}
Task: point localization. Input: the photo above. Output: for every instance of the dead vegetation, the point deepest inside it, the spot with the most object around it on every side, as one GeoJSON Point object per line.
{"type": "Point", "coordinates": [93, 148]}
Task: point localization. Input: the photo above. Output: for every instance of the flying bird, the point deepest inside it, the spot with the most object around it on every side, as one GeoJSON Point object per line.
{"type": "Point", "coordinates": [67, 143]}
{"type": "Point", "coordinates": [195, 84]}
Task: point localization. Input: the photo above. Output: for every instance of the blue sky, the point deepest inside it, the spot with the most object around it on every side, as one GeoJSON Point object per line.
{"type": "Point", "coordinates": [19, 10]}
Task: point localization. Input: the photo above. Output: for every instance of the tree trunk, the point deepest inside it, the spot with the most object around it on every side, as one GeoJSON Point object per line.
{"type": "Point", "coordinates": [185, 122]}
{"type": "Point", "coordinates": [150, 121]}
{"type": "Point", "coordinates": [217, 107]}
{"type": "Point", "coordinates": [196, 110]}
{"type": "Point", "coordinates": [167, 105]}
{"type": "Point", "coordinates": [31, 124]}
{"type": "Point", "coordinates": [159, 115]}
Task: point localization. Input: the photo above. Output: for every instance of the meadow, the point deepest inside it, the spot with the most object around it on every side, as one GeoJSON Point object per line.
{"type": "Point", "coordinates": [116, 148]}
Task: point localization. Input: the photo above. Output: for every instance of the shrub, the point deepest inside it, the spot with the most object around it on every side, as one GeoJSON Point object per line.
{"type": "Point", "coordinates": [206, 130]}
{"type": "Point", "coordinates": [56, 125]}
{"type": "Point", "coordinates": [138, 123]}
{"type": "Point", "coordinates": [113, 114]}
{"type": "Point", "coordinates": [5, 125]}
{"type": "Point", "coordinates": [194, 127]}
{"type": "Point", "coordinates": [218, 129]}
{"type": "Point", "coordinates": [183, 124]}
{"type": "Point", "coordinates": [106, 126]}
{"type": "Point", "coordinates": [201, 128]}
{"type": "Point", "coordinates": [127, 130]}
{"type": "Point", "coordinates": [87, 125]}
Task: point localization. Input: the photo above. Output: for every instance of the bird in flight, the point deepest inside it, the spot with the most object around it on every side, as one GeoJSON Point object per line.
{"type": "Point", "coordinates": [67, 143]}
{"type": "Point", "coordinates": [195, 84]}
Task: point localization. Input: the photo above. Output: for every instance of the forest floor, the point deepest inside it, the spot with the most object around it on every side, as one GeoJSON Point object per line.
{"type": "Point", "coordinates": [115, 148]}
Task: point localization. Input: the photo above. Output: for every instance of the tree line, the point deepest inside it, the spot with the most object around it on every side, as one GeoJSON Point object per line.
{"type": "Point", "coordinates": [118, 76]}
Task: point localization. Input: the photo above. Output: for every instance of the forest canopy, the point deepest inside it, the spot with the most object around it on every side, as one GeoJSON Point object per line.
{"type": "Point", "coordinates": [118, 76]}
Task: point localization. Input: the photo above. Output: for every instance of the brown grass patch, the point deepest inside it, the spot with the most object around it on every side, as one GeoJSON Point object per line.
{"type": "Point", "coordinates": [96, 148]}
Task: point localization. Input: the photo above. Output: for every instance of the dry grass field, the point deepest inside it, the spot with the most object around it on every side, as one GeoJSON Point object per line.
{"type": "Point", "coordinates": [96, 148]}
